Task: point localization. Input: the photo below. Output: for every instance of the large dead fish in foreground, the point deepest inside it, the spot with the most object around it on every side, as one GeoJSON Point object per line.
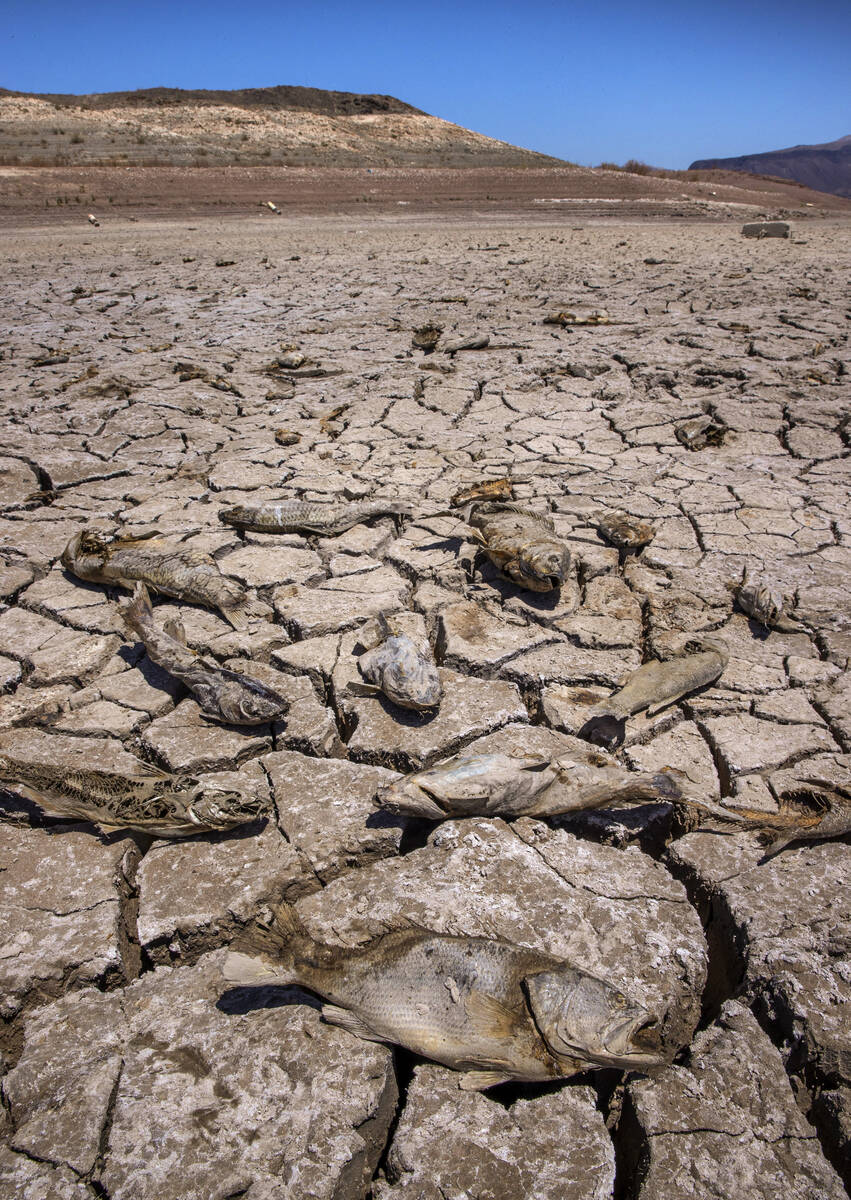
{"type": "Point", "coordinates": [310, 516]}
{"type": "Point", "coordinates": [522, 544]}
{"type": "Point", "coordinates": [532, 785]}
{"type": "Point", "coordinates": [147, 801]}
{"type": "Point", "coordinates": [223, 695]}
{"type": "Point", "coordinates": [653, 687]}
{"type": "Point", "coordinates": [483, 1006]}
{"type": "Point", "coordinates": [186, 574]}
{"type": "Point", "coordinates": [400, 670]}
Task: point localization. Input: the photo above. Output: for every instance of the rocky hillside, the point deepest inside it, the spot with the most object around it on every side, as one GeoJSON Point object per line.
{"type": "Point", "coordinates": [826, 168]}
{"type": "Point", "coordinates": [277, 126]}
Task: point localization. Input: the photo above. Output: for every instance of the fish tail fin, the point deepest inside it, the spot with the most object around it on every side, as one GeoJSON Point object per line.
{"type": "Point", "coordinates": [137, 613]}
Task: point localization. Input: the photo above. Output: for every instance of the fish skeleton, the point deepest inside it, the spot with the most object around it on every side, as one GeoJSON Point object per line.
{"type": "Point", "coordinates": [223, 695]}
{"type": "Point", "coordinates": [310, 516]}
{"type": "Point", "coordinates": [533, 785]}
{"type": "Point", "coordinates": [522, 544]}
{"type": "Point", "coordinates": [186, 574]}
{"type": "Point", "coordinates": [699, 432]}
{"type": "Point", "coordinates": [653, 686]}
{"type": "Point", "coordinates": [479, 1005]}
{"type": "Point", "coordinates": [148, 800]}
{"type": "Point", "coordinates": [400, 670]}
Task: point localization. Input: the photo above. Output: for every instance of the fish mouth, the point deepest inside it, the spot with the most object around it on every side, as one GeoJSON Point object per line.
{"type": "Point", "coordinates": [633, 1043]}
{"type": "Point", "coordinates": [403, 803]}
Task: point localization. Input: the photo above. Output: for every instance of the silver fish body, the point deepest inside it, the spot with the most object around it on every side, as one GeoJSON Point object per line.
{"type": "Point", "coordinates": [146, 800]}
{"type": "Point", "coordinates": [186, 574]}
{"type": "Point", "coordinates": [402, 672]}
{"type": "Point", "coordinates": [310, 516]}
{"type": "Point", "coordinates": [460, 1001]}
{"type": "Point", "coordinates": [222, 694]}
{"type": "Point", "coordinates": [522, 545]}
{"type": "Point", "coordinates": [514, 785]}
{"type": "Point", "coordinates": [652, 687]}
{"type": "Point", "coordinates": [472, 785]}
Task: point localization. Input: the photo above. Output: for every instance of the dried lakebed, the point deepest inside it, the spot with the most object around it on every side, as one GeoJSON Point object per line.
{"type": "Point", "coordinates": [142, 390]}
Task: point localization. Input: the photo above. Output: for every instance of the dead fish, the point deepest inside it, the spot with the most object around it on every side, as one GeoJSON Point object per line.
{"type": "Point", "coordinates": [490, 489]}
{"type": "Point", "coordinates": [522, 544]}
{"type": "Point", "coordinates": [148, 801]}
{"type": "Point", "coordinates": [653, 687]}
{"type": "Point", "coordinates": [624, 531]}
{"type": "Point", "coordinates": [186, 574]}
{"type": "Point", "coordinates": [596, 316]}
{"type": "Point", "coordinates": [401, 671]}
{"type": "Point", "coordinates": [699, 432]}
{"type": "Point", "coordinates": [461, 1001]}
{"type": "Point", "coordinates": [477, 341]}
{"type": "Point", "coordinates": [533, 785]}
{"type": "Point", "coordinates": [760, 599]}
{"type": "Point", "coordinates": [310, 516]}
{"type": "Point", "coordinates": [223, 695]}
{"type": "Point", "coordinates": [832, 822]}
{"type": "Point", "coordinates": [425, 337]}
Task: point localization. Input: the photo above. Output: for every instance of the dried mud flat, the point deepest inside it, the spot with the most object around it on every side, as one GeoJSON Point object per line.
{"type": "Point", "coordinates": [129, 1071]}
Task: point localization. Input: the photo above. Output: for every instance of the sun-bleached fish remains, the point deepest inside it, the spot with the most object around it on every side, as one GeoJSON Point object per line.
{"type": "Point", "coordinates": [653, 687]}
{"type": "Point", "coordinates": [763, 600]}
{"type": "Point", "coordinates": [401, 670]}
{"type": "Point", "coordinates": [144, 800]}
{"type": "Point", "coordinates": [479, 1005]}
{"type": "Point", "coordinates": [310, 516]}
{"type": "Point", "coordinates": [533, 785]}
{"type": "Point", "coordinates": [522, 544]}
{"type": "Point", "coordinates": [182, 572]}
{"type": "Point", "coordinates": [223, 695]}
{"type": "Point", "coordinates": [625, 531]}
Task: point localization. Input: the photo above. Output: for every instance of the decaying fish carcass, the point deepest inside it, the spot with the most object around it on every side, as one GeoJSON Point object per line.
{"type": "Point", "coordinates": [482, 1006]}
{"type": "Point", "coordinates": [310, 516]}
{"type": "Point", "coordinates": [182, 572]}
{"type": "Point", "coordinates": [223, 695]}
{"type": "Point", "coordinates": [653, 687]}
{"type": "Point", "coordinates": [144, 799]}
{"type": "Point", "coordinates": [522, 544]}
{"type": "Point", "coordinates": [404, 672]}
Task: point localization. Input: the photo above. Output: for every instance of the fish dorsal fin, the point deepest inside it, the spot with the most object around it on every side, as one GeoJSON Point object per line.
{"type": "Point", "coordinates": [384, 626]}
{"type": "Point", "coordinates": [349, 1021]}
{"type": "Point", "coordinates": [477, 1081]}
{"type": "Point", "coordinates": [490, 1017]}
{"type": "Point", "coordinates": [358, 688]}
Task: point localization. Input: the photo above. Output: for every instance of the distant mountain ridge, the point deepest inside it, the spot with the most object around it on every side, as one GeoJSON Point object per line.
{"type": "Point", "coordinates": [825, 168]}
{"type": "Point", "coordinates": [274, 126]}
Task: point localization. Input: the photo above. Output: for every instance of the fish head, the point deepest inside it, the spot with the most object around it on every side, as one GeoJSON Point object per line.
{"type": "Point", "coordinates": [761, 600]}
{"type": "Point", "coordinates": [581, 1016]}
{"type": "Point", "coordinates": [211, 805]}
{"type": "Point", "coordinates": [242, 701]}
{"type": "Point", "coordinates": [540, 566]}
{"type": "Point", "coordinates": [238, 515]}
{"type": "Point", "coordinates": [407, 798]}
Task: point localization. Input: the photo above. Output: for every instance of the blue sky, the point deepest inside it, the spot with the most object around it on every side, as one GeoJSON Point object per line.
{"type": "Point", "coordinates": [655, 80]}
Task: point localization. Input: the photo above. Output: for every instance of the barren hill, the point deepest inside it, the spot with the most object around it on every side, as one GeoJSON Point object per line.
{"type": "Point", "coordinates": [276, 126]}
{"type": "Point", "coordinates": [825, 168]}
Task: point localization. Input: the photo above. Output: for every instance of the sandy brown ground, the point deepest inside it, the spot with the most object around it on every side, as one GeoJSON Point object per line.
{"type": "Point", "coordinates": [129, 1070]}
{"type": "Point", "coordinates": [66, 194]}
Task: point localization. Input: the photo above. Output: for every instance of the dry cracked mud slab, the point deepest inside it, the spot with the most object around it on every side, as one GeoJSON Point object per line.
{"type": "Point", "coordinates": [141, 390]}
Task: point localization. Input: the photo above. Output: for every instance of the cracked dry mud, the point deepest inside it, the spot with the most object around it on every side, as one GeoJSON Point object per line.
{"type": "Point", "coordinates": [129, 1070]}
